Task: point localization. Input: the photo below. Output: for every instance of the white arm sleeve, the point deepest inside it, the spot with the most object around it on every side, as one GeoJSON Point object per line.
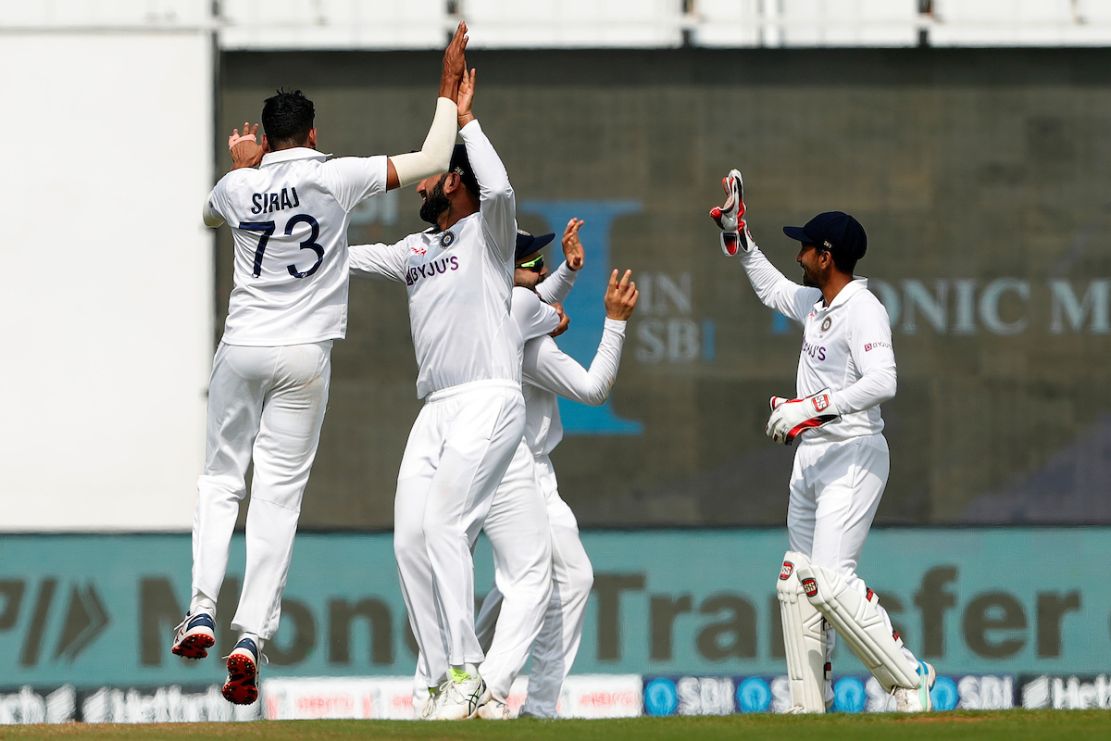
{"type": "Point", "coordinates": [548, 367]}
{"type": "Point", "coordinates": [497, 204]}
{"type": "Point", "coordinates": [377, 261]}
{"type": "Point", "coordinates": [872, 353]}
{"type": "Point", "coordinates": [773, 288]}
{"type": "Point", "coordinates": [533, 317]}
{"type": "Point", "coordinates": [435, 155]}
{"type": "Point", "coordinates": [557, 285]}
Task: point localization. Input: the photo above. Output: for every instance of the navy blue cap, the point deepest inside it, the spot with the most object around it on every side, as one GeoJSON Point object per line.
{"type": "Point", "coordinates": [835, 231]}
{"type": "Point", "coordinates": [461, 165]}
{"type": "Point", "coordinates": [527, 244]}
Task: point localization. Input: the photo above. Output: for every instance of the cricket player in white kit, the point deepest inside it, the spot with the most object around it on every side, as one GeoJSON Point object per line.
{"type": "Point", "coordinates": [517, 526]}
{"type": "Point", "coordinates": [548, 373]}
{"type": "Point", "coordinates": [269, 385]}
{"type": "Point", "coordinates": [846, 370]}
{"type": "Point", "coordinates": [459, 277]}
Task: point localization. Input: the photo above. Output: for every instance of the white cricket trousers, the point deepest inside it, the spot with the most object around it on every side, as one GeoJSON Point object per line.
{"type": "Point", "coordinates": [836, 488]}
{"type": "Point", "coordinates": [518, 530]}
{"type": "Point", "coordinates": [458, 451]}
{"type": "Point", "coordinates": [265, 404]}
{"type": "Point", "coordinates": [557, 642]}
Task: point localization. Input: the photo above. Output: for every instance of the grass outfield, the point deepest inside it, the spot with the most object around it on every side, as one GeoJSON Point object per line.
{"type": "Point", "coordinates": [1072, 725]}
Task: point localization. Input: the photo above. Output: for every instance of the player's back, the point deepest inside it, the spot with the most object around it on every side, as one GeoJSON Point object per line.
{"type": "Point", "coordinates": [289, 222]}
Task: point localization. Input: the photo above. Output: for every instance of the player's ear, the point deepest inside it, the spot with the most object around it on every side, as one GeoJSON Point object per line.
{"type": "Point", "coordinates": [265, 143]}
{"type": "Point", "coordinates": [451, 183]}
{"type": "Point", "coordinates": [312, 138]}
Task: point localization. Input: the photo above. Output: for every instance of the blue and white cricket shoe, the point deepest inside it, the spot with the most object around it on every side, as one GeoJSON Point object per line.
{"type": "Point", "coordinates": [194, 636]}
{"type": "Point", "coordinates": [241, 686]}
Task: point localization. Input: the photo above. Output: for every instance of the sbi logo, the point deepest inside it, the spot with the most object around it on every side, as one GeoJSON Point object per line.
{"type": "Point", "coordinates": [661, 697]}
{"type": "Point", "coordinates": [849, 695]}
{"type": "Point", "coordinates": [754, 695]}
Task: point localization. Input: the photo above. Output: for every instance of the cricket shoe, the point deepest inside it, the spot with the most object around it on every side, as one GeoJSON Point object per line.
{"type": "Point", "coordinates": [425, 709]}
{"type": "Point", "coordinates": [194, 636]}
{"type": "Point", "coordinates": [917, 700]}
{"type": "Point", "coordinates": [241, 686]}
{"type": "Point", "coordinates": [460, 698]}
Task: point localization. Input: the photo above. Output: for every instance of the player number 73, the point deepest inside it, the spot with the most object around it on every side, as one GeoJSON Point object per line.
{"type": "Point", "coordinates": [266, 230]}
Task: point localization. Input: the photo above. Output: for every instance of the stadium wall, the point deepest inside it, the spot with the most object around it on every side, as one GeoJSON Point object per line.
{"type": "Point", "coordinates": [981, 176]}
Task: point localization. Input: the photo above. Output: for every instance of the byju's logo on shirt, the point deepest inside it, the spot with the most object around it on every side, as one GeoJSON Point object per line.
{"type": "Point", "coordinates": [428, 269]}
{"type": "Point", "coordinates": [816, 352]}
{"type": "Point", "coordinates": [870, 346]}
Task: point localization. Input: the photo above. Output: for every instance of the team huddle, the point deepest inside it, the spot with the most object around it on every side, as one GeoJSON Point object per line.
{"type": "Point", "coordinates": [484, 311]}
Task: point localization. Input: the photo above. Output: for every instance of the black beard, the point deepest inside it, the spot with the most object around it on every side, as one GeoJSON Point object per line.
{"type": "Point", "coordinates": [435, 203]}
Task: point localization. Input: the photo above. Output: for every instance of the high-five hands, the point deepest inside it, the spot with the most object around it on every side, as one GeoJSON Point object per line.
{"type": "Point", "coordinates": [729, 216]}
{"type": "Point", "coordinates": [455, 63]}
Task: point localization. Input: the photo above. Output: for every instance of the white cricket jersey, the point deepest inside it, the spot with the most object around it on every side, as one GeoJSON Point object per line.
{"type": "Point", "coordinates": [846, 346]}
{"type": "Point", "coordinates": [549, 373]}
{"type": "Point", "coordinates": [289, 223]}
{"type": "Point", "coordinates": [531, 316]}
{"type": "Point", "coordinates": [459, 282]}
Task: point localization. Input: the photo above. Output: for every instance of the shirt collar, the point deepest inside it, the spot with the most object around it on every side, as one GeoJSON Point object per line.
{"type": "Point", "coordinates": [293, 153]}
{"type": "Point", "coordinates": [851, 289]}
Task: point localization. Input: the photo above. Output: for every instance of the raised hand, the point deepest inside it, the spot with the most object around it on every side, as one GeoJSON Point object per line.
{"type": "Point", "coordinates": [466, 97]}
{"type": "Point", "coordinates": [455, 63]}
{"type": "Point", "coordinates": [244, 148]}
{"type": "Point", "coordinates": [572, 247]}
{"type": "Point", "coordinates": [621, 296]}
{"type": "Point", "coordinates": [729, 216]}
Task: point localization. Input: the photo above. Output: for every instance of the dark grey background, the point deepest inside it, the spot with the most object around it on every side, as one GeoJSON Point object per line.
{"type": "Point", "coordinates": [973, 165]}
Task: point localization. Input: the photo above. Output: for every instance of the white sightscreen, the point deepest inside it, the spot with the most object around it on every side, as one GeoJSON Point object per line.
{"type": "Point", "coordinates": [107, 299]}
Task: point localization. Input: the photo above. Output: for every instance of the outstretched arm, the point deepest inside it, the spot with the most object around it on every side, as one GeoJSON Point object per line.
{"type": "Point", "coordinates": [378, 261]}
{"type": "Point", "coordinates": [496, 200]}
{"type": "Point", "coordinates": [771, 286]}
{"type": "Point", "coordinates": [435, 155]}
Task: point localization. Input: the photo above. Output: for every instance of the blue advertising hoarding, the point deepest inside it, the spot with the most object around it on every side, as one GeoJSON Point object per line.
{"type": "Point", "coordinates": [94, 610]}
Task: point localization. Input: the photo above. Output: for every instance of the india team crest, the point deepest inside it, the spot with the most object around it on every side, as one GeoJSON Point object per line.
{"type": "Point", "coordinates": [826, 324]}
{"type": "Point", "coordinates": [446, 239]}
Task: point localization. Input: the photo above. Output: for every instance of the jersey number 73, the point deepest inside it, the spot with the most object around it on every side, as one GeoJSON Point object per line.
{"type": "Point", "coordinates": [266, 229]}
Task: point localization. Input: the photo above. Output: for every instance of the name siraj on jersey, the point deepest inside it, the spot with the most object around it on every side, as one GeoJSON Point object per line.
{"type": "Point", "coordinates": [264, 203]}
{"type": "Point", "coordinates": [428, 269]}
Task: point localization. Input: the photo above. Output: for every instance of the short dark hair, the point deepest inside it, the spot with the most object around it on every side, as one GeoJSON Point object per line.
{"type": "Point", "coordinates": [844, 261]}
{"type": "Point", "coordinates": [287, 119]}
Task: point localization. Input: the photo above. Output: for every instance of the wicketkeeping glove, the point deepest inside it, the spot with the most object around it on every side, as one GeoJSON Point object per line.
{"type": "Point", "coordinates": [728, 217]}
{"type": "Point", "coordinates": [790, 417]}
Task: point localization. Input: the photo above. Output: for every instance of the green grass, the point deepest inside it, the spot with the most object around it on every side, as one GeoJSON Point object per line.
{"type": "Point", "coordinates": [1013, 725]}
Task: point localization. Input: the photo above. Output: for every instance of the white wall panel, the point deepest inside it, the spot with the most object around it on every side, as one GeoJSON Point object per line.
{"type": "Point", "coordinates": [106, 311]}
